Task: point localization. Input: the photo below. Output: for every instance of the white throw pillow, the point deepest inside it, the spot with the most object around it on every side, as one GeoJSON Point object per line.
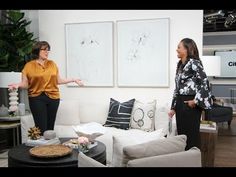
{"type": "Point", "coordinates": [68, 113]}
{"type": "Point", "coordinates": [143, 115]}
{"type": "Point", "coordinates": [133, 137]}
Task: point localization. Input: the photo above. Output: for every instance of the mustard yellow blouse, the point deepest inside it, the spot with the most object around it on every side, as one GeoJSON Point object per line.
{"type": "Point", "coordinates": [42, 78]}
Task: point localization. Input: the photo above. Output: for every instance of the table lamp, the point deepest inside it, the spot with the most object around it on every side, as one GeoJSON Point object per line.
{"type": "Point", "coordinates": [7, 78]}
{"type": "Point", "coordinates": [211, 65]}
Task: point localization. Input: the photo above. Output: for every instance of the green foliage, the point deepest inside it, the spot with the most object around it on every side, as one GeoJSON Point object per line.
{"type": "Point", "coordinates": [15, 42]}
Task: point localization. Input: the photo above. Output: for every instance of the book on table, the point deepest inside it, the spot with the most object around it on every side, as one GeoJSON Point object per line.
{"type": "Point", "coordinates": [207, 125]}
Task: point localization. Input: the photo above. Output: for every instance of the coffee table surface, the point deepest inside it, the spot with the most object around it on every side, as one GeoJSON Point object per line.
{"type": "Point", "coordinates": [19, 156]}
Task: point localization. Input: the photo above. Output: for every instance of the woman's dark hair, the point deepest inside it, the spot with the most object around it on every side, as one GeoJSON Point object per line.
{"type": "Point", "coordinates": [192, 50]}
{"type": "Point", "coordinates": [37, 47]}
{"type": "Point", "coordinates": [191, 47]}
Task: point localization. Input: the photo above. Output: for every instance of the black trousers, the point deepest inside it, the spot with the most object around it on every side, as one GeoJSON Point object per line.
{"type": "Point", "coordinates": [188, 121]}
{"type": "Point", "coordinates": [44, 110]}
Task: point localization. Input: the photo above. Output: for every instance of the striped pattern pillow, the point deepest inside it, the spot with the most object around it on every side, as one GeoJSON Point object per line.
{"type": "Point", "coordinates": [119, 114]}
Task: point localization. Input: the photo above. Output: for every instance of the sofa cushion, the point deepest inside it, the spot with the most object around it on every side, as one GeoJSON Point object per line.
{"type": "Point", "coordinates": [189, 158]}
{"type": "Point", "coordinates": [155, 147]}
{"type": "Point", "coordinates": [132, 137]}
{"type": "Point", "coordinates": [65, 131]}
{"type": "Point", "coordinates": [119, 114]}
{"type": "Point", "coordinates": [143, 115]}
{"type": "Point", "coordinates": [68, 113]}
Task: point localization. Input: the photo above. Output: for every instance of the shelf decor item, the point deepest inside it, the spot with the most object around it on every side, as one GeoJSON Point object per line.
{"type": "Point", "coordinates": [34, 133]}
{"type": "Point", "coordinates": [13, 98]}
{"type": "Point", "coordinates": [83, 143]}
{"type": "Point", "coordinates": [5, 79]}
{"type": "Point", "coordinates": [3, 111]}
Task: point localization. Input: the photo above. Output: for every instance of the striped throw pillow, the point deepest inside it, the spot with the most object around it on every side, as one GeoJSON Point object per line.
{"type": "Point", "coordinates": [119, 114]}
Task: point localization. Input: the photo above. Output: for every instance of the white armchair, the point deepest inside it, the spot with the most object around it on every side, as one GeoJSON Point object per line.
{"type": "Point", "coordinates": [168, 152]}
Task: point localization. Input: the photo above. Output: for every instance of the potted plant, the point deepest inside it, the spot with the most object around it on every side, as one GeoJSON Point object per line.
{"type": "Point", "coordinates": [15, 42]}
{"type": "Point", "coordinates": [15, 47]}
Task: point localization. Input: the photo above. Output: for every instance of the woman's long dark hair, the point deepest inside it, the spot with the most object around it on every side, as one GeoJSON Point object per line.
{"type": "Point", "coordinates": [192, 51]}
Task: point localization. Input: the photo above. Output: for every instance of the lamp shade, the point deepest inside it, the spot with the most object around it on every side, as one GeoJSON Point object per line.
{"type": "Point", "coordinates": [7, 78]}
{"type": "Point", "coordinates": [211, 65]}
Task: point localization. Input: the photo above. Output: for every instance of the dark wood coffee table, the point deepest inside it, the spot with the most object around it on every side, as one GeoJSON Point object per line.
{"type": "Point", "coordinates": [19, 156]}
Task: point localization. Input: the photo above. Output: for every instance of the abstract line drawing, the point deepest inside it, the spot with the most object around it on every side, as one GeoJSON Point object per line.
{"type": "Point", "coordinates": [89, 47]}
{"type": "Point", "coordinates": [138, 43]}
{"type": "Point", "coordinates": [143, 53]}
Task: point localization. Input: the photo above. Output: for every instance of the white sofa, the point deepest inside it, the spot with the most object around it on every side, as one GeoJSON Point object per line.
{"type": "Point", "coordinates": [70, 113]}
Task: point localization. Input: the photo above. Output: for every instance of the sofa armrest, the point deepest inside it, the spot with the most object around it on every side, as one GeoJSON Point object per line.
{"type": "Point", "coordinates": [190, 158]}
{"type": "Point", "coordinates": [85, 161]}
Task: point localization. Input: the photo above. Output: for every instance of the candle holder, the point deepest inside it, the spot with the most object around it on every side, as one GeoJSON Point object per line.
{"type": "Point", "coordinates": [13, 102]}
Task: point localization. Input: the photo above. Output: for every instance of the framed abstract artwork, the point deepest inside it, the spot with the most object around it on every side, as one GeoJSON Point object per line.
{"type": "Point", "coordinates": [143, 53]}
{"type": "Point", "coordinates": [89, 53]}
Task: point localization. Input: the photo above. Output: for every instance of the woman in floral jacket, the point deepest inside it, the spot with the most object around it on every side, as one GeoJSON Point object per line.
{"type": "Point", "coordinates": [192, 93]}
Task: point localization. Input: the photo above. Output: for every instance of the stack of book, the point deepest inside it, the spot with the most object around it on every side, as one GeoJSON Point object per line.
{"type": "Point", "coordinates": [207, 125]}
{"type": "Point", "coordinates": [42, 141]}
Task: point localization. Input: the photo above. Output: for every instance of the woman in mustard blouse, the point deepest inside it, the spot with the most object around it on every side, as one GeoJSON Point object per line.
{"type": "Point", "coordinates": [41, 77]}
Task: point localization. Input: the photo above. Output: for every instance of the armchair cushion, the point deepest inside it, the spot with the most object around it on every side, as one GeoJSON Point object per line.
{"type": "Point", "coordinates": [190, 158]}
{"type": "Point", "coordinates": [155, 147]}
{"type": "Point", "coordinates": [132, 137]}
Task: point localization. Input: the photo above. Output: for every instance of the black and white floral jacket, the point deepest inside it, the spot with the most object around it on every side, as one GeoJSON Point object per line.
{"type": "Point", "coordinates": [192, 80]}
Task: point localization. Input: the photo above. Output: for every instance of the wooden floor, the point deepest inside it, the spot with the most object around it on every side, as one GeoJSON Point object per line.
{"type": "Point", "coordinates": [225, 152]}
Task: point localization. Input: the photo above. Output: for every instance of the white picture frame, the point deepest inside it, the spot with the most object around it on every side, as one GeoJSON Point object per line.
{"type": "Point", "coordinates": [89, 53]}
{"type": "Point", "coordinates": [143, 53]}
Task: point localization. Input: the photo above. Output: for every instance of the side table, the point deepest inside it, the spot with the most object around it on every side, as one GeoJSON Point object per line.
{"type": "Point", "coordinates": [14, 124]}
{"type": "Point", "coordinates": [208, 141]}
{"type": "Point", "coordinates": [19, 156]}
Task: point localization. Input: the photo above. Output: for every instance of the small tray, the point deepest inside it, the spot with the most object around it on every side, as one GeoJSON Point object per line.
{"type": "Point", "coordinates": [50, 151]}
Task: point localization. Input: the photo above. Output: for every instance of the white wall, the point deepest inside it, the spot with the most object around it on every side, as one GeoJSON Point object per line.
{"type": "Point", "coordinates": [32, 15]}
{"type": "Point", "coordinates": [183, 23]}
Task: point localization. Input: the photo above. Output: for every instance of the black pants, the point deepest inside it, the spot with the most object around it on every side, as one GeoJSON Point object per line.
{"type": "Point", "coordinates": [188, 121]}
{"type": "Point", "coordinates": [44, 110]}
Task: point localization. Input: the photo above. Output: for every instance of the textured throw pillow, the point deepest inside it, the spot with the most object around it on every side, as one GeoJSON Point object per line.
{"type": "Point", "coordinates": [133, 137]}
{"type": "Point", "coordinates": [119, 114]}
{"type": "Point", "coordinates": [143, 115]}
{"type": "Point", "coordinates": [156, 147]}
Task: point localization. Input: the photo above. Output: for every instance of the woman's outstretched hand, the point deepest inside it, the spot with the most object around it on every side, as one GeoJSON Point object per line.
{"type": "Point", "coordinates": [13, 86]}
{"type": "Point", "coordinates": [79, 82]}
